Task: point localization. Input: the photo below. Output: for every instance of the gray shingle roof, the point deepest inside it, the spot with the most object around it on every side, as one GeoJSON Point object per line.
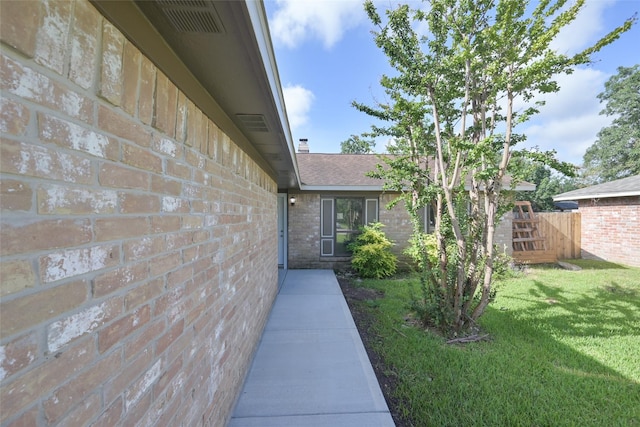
{"type": "Point", "coordinates": [337, 169]}
{"type": "Point", "coordinates": [619, 188]}
{"type": "Point", "coordinates": [348, 172]}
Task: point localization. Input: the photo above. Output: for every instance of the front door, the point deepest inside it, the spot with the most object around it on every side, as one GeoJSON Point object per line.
{"type": "Point", "coordinates": [282, 221]}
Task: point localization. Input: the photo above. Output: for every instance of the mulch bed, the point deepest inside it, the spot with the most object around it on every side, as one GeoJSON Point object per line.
{"type": "Point", "coordinates": [364, 321]}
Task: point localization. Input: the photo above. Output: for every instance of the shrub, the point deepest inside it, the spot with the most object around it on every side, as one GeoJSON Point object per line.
{"type": "Point", "coordinates": [372, 257]}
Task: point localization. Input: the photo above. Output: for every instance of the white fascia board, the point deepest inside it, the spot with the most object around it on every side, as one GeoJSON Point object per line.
{"type": "Point", "coordinates": [597, 196]}
{"type": "Point", "coordinates": [259, 21]}
{"type": "Point", "coordinates": [376, 188]}
{"type": "Point", "coordinates": [519, 187]}
{"type": "Point", "coordinates": [379, 188]}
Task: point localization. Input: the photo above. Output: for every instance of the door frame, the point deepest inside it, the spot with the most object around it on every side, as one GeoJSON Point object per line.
{"type": "Point", "coordinates": [282, 219]}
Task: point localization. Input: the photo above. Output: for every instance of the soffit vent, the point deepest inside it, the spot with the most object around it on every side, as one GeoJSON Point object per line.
{"type": "Point", "coordinates": [191, 16]}
{"type": "Point", "coordinates": [253, 122]}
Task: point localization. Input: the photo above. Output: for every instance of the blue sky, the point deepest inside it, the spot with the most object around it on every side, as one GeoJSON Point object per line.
{"type": "Point", "coordinates": [327, 58]}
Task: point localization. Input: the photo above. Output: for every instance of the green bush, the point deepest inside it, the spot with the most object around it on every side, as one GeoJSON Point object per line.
{"type": "Point", "coordinates": [372, 257]}
{"type": "Point", "coordinates": [413, 250]}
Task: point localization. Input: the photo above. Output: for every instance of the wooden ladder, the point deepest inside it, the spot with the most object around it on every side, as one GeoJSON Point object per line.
{"type": "Point", "coordinates": [526, 234]}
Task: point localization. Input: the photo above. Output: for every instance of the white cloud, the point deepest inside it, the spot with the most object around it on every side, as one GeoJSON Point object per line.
{"type": "Point", "coordinates": [584, 31]}
{"type": "Point", "coordinates": [298, 20]}
{"type": "Point", "coordinates": [298, 101]}
{"type": "Point", "coordinates": [570, 121]}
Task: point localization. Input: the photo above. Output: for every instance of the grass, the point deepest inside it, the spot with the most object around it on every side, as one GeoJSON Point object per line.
{"type": "Point", "coordinates": [565, 350]}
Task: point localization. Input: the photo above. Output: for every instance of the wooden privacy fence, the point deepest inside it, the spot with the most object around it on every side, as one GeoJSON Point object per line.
{"type": "Point", "coordinates": [561, 231]}
{"type": "Point", "coordinates": [558, 234]}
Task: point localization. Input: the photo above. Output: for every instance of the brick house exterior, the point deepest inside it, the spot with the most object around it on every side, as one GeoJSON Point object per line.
{"type": "Point", "coordinates": [610, 220]}
{"type": "Point", "coordinates": [138, 234]}
{"type": "Point", "coordinates": [335, 176]}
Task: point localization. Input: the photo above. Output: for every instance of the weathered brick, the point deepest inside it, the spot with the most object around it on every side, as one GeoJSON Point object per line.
{"type": "Point", "coordinates": [142, 385]}
{"type": "Point", "coordinates": [31, 160]}
{"type": "Point", "coordinates": [213, 138]}
{"type": "Point", "coordinates": [120, 228]}
{"type": "Point", "coordinates": [169, 301]}
{"type": "Point", "coordinates": [131, 77]}
{"type": "Point", "coordinates": [17, 22]}
{"type": "Point", "coordinates": [16, 275]}
{"type": "Point", "coordinates": [163, 263]}
{"type": "Point", "coordinates": [72, 262]}
{"type": "Point", "coordinates": [119, 278]}
{"type": "Point", "coordinates": [14, 116]}
{"type": "Point", "coordinates": [191, 125]}
{"type": "Point", "coordinates": [110, 416]}
{"type": "Point", "coordinates": [56, 200]}
{"type": "Point", "coordinates": [117, 176]}
{"type": "Point", "coordinates": [53, 35]}
{"type": "Point", "coordinates": [18, 354]}
{"type": "Point", "coordinates": [41, 380]}
{"type": "Point", "coordinates": [140, 158]}
{"type": "Point", "coordinates": [139, 203]}
{"type": "Point", "coordinates": [83, 412]}
{"type": "Point", "coordinates": [192, 221]}
{"type": "Point", "coordinates": [44, 234]}
{"type": "Point", "coordinates": [28, 419]}
{"type": "Point", "coordinates": [178, 169]}
{"type": "Point", "coordinates": [122, 126]}
{"type": "Point", "coordinates": [147, 88]}
{"type": "Point", "coordinates": [83, 59]}
{"type": "Point", "coordinates": [62, 332]}
{"type": "Point", "coordinates": [148, 335]}
{"type": "Point", "coordinates": [144, 247]}
{"type": "Point", "coordinates": [166, 146]}
{"type": "Point", "coordinates": [111, 70]}
{"type": "Point", "coordinates": [130, 371]}
{"type": "Point", "coordinates": [15, 196]}
{"type": "Point", "coordinates": [181, 117]}
{"type": "Point", "coordinates": [24, 312]}
{"type": "Point", "coordinates": [165, 224]}
{"type": "Point", "coordinates": [170, 336]}
{"type": "Point", "coordinates": [75, 137]}
{"type": "Point", "coordinates": [120, 329]}
{"type": "Point", "coordinates": [162, 185]}
{"type": "Point", "coordinates": [28, 84]}
{"type": "Point", "coordinates": [73, 393]}
{"type": "Point", "coordinates": [175, 205]}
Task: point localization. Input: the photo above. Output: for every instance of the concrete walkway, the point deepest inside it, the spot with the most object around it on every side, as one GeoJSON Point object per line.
{"type": "Point", "coordinates": [311, 368]}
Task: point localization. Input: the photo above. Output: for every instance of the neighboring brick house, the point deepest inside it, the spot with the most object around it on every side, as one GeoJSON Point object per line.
{"type": "Point", "coordinates": [610, 220]}
{"type": "Point", "coordinates": [139, 195]}
{"type": "Point", "coordinates": [336, 197]}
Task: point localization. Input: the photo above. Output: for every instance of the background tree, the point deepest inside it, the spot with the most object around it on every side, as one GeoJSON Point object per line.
{"type": "Point", "coordinates": [616, 152]}
{"type": "Point", "coordinates": [451, 113]}
{"type": "Point", "coordinates": [548, 184]}
{"type": "Point", "coordinates": [357, 145]}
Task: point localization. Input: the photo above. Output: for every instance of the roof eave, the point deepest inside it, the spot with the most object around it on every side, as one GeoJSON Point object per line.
{"type": "Point", "coordinates": [568, 196]}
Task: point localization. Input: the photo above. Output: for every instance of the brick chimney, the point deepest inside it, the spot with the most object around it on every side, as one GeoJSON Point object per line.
{"type": "Point", "coordinates": [303, 147]}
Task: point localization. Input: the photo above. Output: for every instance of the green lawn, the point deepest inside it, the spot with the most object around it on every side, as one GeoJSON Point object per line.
{"type": "Point", "coordinates": [565, 350]}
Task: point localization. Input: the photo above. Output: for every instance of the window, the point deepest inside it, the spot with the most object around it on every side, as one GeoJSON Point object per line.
{"type": "Point", "coordinates": [340, 222]}
{"type": "Point", "coordinates": [428, 219]}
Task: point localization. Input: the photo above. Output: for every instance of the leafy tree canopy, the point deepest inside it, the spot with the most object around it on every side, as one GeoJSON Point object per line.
{"type": "Point", "coordinates": [460, 65]}
{"type": "Point", "coordinates": [616, 152]}
{"type": "Point", "coordinates": [357, 145]}
{"type": "Point", "coordinates": [548, 184]}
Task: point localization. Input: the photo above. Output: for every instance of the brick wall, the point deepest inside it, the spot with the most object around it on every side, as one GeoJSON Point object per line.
{"type": "Point", "coordinates": [611, 229]}
{"type": "Point", "coordinates": [137, 240]}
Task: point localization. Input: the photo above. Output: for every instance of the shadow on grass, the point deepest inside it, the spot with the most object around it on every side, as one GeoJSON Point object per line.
{"type": "Point", "coordinates": [532, 373]}
{"type": "Point", "coordinates": [552, 382]}
{"type": "Point", "coordinates": [611, 310]}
